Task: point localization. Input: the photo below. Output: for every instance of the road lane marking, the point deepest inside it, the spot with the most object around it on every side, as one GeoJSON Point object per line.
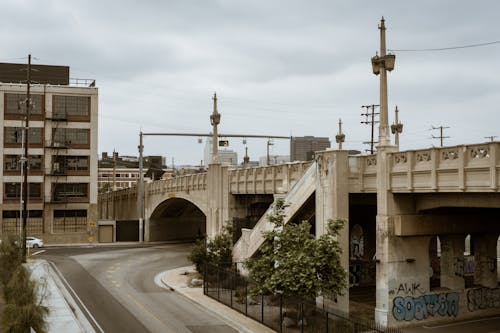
{"type": "Point", "coordinates": [143, 308]}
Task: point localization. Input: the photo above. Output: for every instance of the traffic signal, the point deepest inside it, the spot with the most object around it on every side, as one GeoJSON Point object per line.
{"type": "Point", "coordinates": [223, 143]}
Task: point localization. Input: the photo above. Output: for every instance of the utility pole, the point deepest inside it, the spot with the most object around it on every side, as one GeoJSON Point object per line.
{"type": "Point", "coordinates": [340, 137]}
{"type": "Point", "coordinates": [372, 122]}
{"type": "Point", "coordinates": [397, 128]}
{"type": "Point", "coordinates": [26, 162]}
{"type": "Point", "coordinates": [491, 137]}
{"type": "Point", "coordinates": [441, 137]}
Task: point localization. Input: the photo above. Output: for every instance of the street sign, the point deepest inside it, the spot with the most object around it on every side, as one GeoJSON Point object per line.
{"type": "Point", "coordinates": [223, 143]}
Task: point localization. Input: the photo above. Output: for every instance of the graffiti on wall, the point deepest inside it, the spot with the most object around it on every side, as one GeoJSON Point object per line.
{"type": "Point", "coordinates": [483, 298]}
{"type": "Point", "coordinates": [413, 289]}
{"type": "Point", "coordinates": [458, 266]}
{"type": "Point", "coordinates": [419, 308]}
{"type": "Point", "coordinates": [469, 266]}
{"type": "Point", "coordinates": [464, 266]}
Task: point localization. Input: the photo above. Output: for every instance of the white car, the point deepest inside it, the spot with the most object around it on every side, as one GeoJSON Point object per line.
{"type": "Point", "coordinates": [34, 242]}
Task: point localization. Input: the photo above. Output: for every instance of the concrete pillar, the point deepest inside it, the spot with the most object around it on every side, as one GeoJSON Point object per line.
{"type": "Point", "coordinates": [219, 198]}
{"type": "Point", "coordinates": [332, 202]}
{"type": "Point", "coordinates": [385, 237]}
{"type": "Point", "coordinates": [485, 258]}
{"type": "Point", "coordinates": [452, 261]}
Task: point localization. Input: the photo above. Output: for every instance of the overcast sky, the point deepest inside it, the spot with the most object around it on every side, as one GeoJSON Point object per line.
{"type": "Point", "coordinates": [278, 67]}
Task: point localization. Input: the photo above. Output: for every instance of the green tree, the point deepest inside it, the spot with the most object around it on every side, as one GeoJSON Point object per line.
{"type": "Point", "coordinates": [294, 263]}
{"type": "Point", "coordinates": [216, 251]}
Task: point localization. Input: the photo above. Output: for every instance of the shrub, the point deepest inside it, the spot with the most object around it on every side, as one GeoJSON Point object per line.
{"type": "Point", "coordinates": [217, 251]}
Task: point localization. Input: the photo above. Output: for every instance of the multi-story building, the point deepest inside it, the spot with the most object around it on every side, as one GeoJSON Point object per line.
{"type": "Point", "coordinates": [117, 172]}
{"type": "Point", "coordinates": [110, 179]}
{"type": "Point", "coordinates": [303, 148]}
{"type": "Point", "coordinates": [226, 156]}
{"type": "Point", "coordinates": [62, 153]}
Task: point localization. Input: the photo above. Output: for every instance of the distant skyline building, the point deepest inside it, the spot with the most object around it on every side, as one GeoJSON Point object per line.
{"type": "Point", "coordinates": [274, 159]}
{"type": "Point", "coordinates": [303, 148]}
{"type": "Point", "coordinates": [226, 156]}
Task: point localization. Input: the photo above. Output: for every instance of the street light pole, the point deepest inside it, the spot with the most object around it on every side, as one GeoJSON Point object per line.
{"type": "Point", "coordinates": [140, 190]}
{"type": "Point", "coordinates": [26, 162]}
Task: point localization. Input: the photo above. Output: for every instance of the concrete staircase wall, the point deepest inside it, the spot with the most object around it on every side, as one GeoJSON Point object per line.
{"type": "Point", "coordinates": [252, 239]}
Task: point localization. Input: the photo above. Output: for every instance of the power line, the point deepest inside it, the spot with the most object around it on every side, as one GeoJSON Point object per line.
{"type": "Point", "coordinates": [371, 122]}
{"type": "Point", "coordinates": [441, 137]}
{"type": "Point", "coordinates": [491, 137]}
{"type": "Point", "coordinates": [446, 48]}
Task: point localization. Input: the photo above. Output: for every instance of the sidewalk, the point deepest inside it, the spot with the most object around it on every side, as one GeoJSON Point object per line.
{"type": "Point", "coordinates": [176, 280]}
{"type": "Point", "coordinates": [115, 244]}
{"type": "Point", "coordinates": [64, 316]}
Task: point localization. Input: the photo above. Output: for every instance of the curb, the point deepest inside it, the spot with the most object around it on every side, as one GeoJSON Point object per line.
{"type": "Point", "coordinates": [232, 317]}
{"type": "Point", "coordinates": [115, 244]}
{"type": "Point", "coordinates": [69, 296]}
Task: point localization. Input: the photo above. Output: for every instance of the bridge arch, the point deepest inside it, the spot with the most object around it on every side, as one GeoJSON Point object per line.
{"type": "Point", "coordinates": [176, 219]}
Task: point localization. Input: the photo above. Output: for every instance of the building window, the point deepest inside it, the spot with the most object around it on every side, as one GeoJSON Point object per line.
{"type": "Point", "coordinates": [65, 191]}
{"type": "Point", "coordinates": [12, 162]}
{"type": "Point", "coordinates": [63, 164]}
{"type": "Point", "coordinates": [16, 104]}
{"type": "Point", "coordinates": [13, 190]}
{"type": "Point", "coordinates": [71, 136]}
{"type": "Point", "coordinates": [11, 222]}
{"type": "Point", "coordinates": [71, 106]}
{"type": "Point", "coordinates": [70, 220]}
{"type": "Point", "coordinates": [15, 135]}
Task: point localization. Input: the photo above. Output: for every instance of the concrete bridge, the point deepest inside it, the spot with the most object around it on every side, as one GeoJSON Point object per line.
{"type": "Point", "coordinates": [423, 225]}
{"type": "Point", "coordinates": [432, 255]}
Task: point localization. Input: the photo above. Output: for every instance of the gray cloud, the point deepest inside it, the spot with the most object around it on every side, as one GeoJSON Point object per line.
{"type": "Point", "coordinates": [279, 67]}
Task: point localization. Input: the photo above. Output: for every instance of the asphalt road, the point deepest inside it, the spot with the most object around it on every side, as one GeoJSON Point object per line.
{"type": "Point", "coordinates": [117, 286]}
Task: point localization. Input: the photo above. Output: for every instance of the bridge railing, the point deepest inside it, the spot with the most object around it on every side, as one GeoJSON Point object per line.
{"type": "Point", "coordinates": [472, 168]}
{"type": "Point", "coordinates": [266, 180]}
{"type": "Point", "coordinates": [363, 173]}
{"type": "Point", "coordinates": [193, 182]}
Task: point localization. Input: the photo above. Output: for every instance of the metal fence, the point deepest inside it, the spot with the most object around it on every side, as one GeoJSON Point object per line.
{"type": "Point", "coordinates": [282, 314]}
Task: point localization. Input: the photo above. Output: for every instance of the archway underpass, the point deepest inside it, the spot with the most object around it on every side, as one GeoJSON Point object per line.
{"type": "Point", "coordinates": [176, 219]}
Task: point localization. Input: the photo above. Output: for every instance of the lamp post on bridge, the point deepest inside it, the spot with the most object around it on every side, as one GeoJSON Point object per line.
{"type": "Point", "coordinates": [215, 120]}
{"type": "Point", "coordinates": [380, 65]}
{"type": "Point", "coordinates": [385, 199]}
{"type": "Point", "coordinates": [340, 137]}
